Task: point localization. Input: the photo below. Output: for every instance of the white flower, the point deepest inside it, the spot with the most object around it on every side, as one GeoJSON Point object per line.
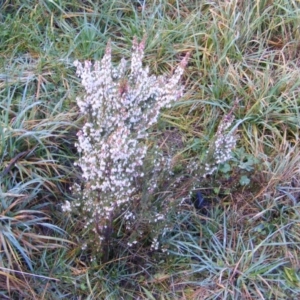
{"type": "Point", "coordinates": [66, 207]}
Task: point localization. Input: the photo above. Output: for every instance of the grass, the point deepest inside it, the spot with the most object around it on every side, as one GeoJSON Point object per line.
{"type": "Point", "coordinates": [245, 244]}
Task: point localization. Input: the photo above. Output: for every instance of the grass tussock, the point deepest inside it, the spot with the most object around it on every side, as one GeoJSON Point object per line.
{"type": "Point", "coordinates": [231, 235]}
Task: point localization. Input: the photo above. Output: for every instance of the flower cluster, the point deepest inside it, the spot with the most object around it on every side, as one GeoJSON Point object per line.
{"type": "Point", "coordinates": [220, 149]}
{"type": "Point", "coordinates": [120, 104]}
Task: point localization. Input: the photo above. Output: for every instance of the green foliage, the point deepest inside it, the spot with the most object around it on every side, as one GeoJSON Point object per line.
{"type": "Point", "coordinates": [241, 166]}
{"type": "Point", "coordinates": [246, 245]}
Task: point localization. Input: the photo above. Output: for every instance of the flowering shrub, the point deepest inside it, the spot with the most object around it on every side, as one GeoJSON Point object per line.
{"type": "Point", "coordinates": [120, 105]}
